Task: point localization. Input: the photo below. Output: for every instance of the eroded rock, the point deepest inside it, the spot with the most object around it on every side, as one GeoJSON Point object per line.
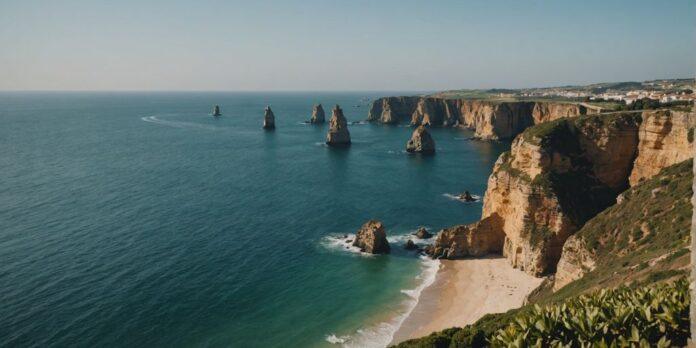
{"type": "Point", "coordinates": [318, 115]}
{"type": "Point", "coordinates": [338, 134]}
{"type": "Point", "coordinates": [371, 238]}
{"type": "Point", "coordinates": [421, 142]}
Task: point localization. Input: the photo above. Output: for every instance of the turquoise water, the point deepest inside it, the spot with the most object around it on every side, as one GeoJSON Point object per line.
{"type": "Point", "coordinates": [136, 219]}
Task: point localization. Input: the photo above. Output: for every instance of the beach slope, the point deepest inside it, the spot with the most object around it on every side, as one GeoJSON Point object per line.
{"type": "Point", "coordinates": [463, 292]}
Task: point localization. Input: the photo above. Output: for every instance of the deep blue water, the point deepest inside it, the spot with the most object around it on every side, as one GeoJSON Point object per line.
{"type": "Point", "coordinates": [137, 219]}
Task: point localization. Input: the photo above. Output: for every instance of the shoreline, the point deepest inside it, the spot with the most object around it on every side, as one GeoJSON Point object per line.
{"type": "Point", "coordinates": [463, 292]}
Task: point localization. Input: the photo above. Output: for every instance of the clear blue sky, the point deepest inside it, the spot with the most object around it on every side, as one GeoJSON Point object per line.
{"type": "Point", "coordinates": [340, 45]}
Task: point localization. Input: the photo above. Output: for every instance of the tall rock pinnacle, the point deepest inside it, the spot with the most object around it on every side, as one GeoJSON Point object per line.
{"type": "Point", "coordinates": [338, 129]}
{"type": "Point", "coordinates": [268, 119]}
{"type": "Point", "coordinates": [318, 115]}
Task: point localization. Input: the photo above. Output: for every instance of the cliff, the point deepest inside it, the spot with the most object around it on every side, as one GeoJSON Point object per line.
{"type": "Point", "coordinates": [666, 138]}
{"type": "Point", "coordinates": [557, 176]}
{"type": "Point", "coordinates": [560, 174]}
{"type": "Point", "coordinates": [489, 120]}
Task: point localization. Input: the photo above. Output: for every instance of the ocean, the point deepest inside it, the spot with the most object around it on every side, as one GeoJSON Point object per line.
{"type": "Point", "coordinates": [136, 219]}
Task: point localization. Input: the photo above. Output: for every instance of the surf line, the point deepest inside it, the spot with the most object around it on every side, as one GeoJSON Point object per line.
{"type": "Point", "coordinates": [176, 124]}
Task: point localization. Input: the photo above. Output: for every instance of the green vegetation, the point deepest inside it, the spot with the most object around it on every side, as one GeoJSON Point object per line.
{"type": "Point", "coordinates": [690, 135]}
{"type": "Point", "coordinates": [653, 315]}
{"type": "Point", "coordinates": [648, 316]}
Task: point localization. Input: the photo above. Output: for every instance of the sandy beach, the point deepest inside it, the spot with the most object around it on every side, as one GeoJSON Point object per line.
{"type": "Point", "coordinates": [463, 292]}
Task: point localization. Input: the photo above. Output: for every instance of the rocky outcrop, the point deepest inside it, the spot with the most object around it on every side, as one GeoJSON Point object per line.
{"type": "Point", "coordinates": [317, 114]}
{"type": "Point", "coordinates": [371, 238]}
{"type": "Point", "coordinates": [423, 233]}
{"type": "Point", "coordinates": [216, 110]}
{"type": "Point", "coordinates": [338, 134]}
{"type": "Point", "coordinates": [664, 140]}
{"type": "Point", "coordinates": [268, 119]}
{"type": "Point", "coordinates": [576, 260]}
{"type": "Point", "coordinates": [477, 239]}
{"type": "Point", "coordinates": [421, 142]}
{"type": "Point", "coordinates": [489, 120]}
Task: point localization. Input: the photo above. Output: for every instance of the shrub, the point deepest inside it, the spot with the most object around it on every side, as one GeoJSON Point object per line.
{"type": "Point", "coordinates": [656, 315]}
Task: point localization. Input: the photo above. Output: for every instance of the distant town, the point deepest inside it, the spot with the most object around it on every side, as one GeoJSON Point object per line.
{"type": "Point", "coordinates": [672, 92]}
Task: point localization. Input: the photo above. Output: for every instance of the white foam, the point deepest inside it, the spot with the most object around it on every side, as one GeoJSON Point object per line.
{"type": "Point", "coordinates": [382, 334]}
{"type": "Point", "coordinates": [401, 239]}
{"type": "Point", "coordinates": [455, 197]}
{"type": "Point", "coordinates": [340, 243]}
{"type": "Point", "coordinates": [333, 339]}
{"type": "Point", "coordinates": [176, 124]}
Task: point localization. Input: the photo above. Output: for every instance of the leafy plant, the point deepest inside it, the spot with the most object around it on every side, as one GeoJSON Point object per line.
{"type": "Point", "coordinates": [656, 315]}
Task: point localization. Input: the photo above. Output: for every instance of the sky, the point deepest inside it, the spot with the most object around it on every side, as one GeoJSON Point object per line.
{"type": "Point", "coordinates": [324, 45]}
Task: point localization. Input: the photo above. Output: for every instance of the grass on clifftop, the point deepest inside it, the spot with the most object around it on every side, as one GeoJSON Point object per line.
{"type": "Point", "coordinates": [625, 257]}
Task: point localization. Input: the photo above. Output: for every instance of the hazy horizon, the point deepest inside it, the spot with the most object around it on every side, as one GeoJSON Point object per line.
{"type": "Point", "coordinates": [293, 46]}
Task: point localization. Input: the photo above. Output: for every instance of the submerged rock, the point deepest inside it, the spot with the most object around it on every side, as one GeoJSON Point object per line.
{"type": "Point", "coordinates": [338, 129]}
{"type": "Point", "coordinates": [216, 110]}
{"type": "Point", "coordinates": [268, 119]}
{"type": "Point", "coordinates": [466, 196]}
{"type": "Point", "coordinates": [410, 245]}
{"type": "Point", "coordinates": [318, 115]}
{"type": "Point", "coordinates": [371, 238]}
{"type": "Point", "coordinates": [422, 233]}
{"type": "Point", "coordinates": [421, 142]}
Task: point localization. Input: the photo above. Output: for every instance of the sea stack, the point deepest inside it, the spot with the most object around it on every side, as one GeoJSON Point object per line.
{"type": "Point", "coordinates": [216, 110]}
{"type": "Point", "coordinates": [318, 115]}
{"type": "Point", "coordinates": [338, 129]}
{"type": "Point", "coordinates": [421, 142]}
{"type": "Point", "coordinates": [268, 119]}
{"type": "Point", "coordinates": [371, 238]}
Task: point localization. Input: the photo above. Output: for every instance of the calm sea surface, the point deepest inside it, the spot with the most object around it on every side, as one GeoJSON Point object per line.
{"type": "Point", "coordinates": [137, 219]}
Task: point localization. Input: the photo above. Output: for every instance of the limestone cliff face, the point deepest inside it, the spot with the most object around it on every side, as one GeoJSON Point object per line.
{"type": "Point", "coordinates": [664, 140]}
{"type": "Point", "coordinates": [544, 112]}
{"type": "Point", "coordinates": [489, 120]}
{"type": "Point", "coordinates": [557, 176]}
{"type": "Point", "coordinates": [392, 110]}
